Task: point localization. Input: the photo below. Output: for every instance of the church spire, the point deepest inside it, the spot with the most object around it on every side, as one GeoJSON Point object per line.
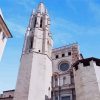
{"type": "Point", "coordinates": [39, 32]}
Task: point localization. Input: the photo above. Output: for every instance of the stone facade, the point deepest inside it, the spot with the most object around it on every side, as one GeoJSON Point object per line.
{"type": "Point", "coordinates": [53, 74]}
{"type": "Point", "coordinates": [63, 80]}
{"type": "Point", "coordinates": [4, 34]}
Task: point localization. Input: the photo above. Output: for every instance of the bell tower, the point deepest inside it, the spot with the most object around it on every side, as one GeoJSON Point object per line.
{"type": "Point", "coordinates": [34, 77]}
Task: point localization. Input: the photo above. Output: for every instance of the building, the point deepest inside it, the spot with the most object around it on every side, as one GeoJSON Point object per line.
{"type": "Point", "coordinates": [53, 74]}
{"type": "Point", "coordinates": [87, 79]}
{"type": "Point", "coordinates": [63, 87]}
{"type": "Point", "coordinates": [36, 63]}
{"type": "Point", "coordinates": [4, 34]}
{"type": "Point", "coordinates": [7, 95]}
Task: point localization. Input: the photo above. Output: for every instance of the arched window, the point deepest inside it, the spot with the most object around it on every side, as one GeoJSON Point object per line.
{"type": "Point", "coordinates": [64, 80]}
{"type": "Point", "coordinates": [41, 22]}
{"type": "Point", "coordinates": [35, 22]}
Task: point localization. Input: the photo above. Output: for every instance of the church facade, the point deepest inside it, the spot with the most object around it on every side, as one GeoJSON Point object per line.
{"type": "Point", "coordinates": [53, 74]}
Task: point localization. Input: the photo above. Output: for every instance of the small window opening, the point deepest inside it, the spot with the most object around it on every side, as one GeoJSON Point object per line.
{"type": "Point", "coordinates": [0, 30]}
{"type": "Point", "coordinates": [64, 80]}
{"type": "Point", "coordinates": [49, 88]}
{"type": "Point", "coordinates": [9, 95]}
{"type": "Point", "coordinates": [86, 63]}
{"type": "Point", "coordinates": [35, 22]}
{"type": "Point", "coordinates": [69, 53]}
{"type": "Point", "coordinates": [3, 36]}
{"type": "Point", "coordinates": [57, 56]}
{"type": "Point", "coordinates": [31, 43]}
{"type": "Point", "coordinates": [39, 50]}
{"type": "Point", "coordinates": [41, 22]}
{"type": "Point", "coordinates": [97, 63]}
{"type": "Point", "coordinates": [76, 68]}
{"type": "Point", "coordinates": [63, 55]}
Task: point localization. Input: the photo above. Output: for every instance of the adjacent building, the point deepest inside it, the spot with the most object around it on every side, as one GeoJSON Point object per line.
{"type": "Point", "coordinates": [87, 79]}
{"type": "Point", "coordinates": [4, 34]}
{"type": "Point", "coordinates": [7, 95]}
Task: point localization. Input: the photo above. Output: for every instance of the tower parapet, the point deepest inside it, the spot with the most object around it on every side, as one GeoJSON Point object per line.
{"type": "Point", "coordinates": [71, 49]}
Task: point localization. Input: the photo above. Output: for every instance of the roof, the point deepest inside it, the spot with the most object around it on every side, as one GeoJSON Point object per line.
{"type": "Point", "coordinates": [85, 61]}
{"type": "Point", "coordinates": [65, 47]}
{"type": "Point", "coordinates": [6, 98]}
{"type": "Point", "coordinates": [9, 91]}
{"type": "Point", "coordinates": [3, 24]}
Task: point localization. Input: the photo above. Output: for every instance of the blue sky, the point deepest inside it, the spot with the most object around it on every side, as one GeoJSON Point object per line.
{"type": "Point", "coordinates": [71, 21]}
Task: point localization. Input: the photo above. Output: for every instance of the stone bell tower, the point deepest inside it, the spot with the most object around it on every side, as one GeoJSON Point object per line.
{"type": "Point", "coordinates": [34, 77]}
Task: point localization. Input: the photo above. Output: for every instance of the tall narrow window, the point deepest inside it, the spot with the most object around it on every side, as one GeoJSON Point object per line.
{"type": "Point", "coordinates": [0, 30]}
{"type": "Point", "coordinates": [3, 36]}
{"type": "Point", "coordinates": [56, 81]}
{"type": "Point", "coordinates": [41, 22]}
{"type": "Point", "coordinates": [31, 42]}
{"type": "Point", "coordinates": [35, 22]}
{"type": "Point", "coordinates": [64, 80]}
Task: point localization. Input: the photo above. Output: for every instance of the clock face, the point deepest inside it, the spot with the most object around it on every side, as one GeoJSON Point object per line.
{"type": "Point", "coordinates": [64, 66]}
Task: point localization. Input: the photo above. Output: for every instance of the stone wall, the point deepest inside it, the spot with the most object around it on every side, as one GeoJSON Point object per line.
{"type": "Point", "coordinates": [86, 80]}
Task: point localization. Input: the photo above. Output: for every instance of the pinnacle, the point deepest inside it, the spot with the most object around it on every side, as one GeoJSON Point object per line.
{"type": "Point", "coordinates": [41, 7]}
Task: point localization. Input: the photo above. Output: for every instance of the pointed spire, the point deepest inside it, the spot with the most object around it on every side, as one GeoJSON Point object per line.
{"type": "Point", "coordinates": [41, 8]}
